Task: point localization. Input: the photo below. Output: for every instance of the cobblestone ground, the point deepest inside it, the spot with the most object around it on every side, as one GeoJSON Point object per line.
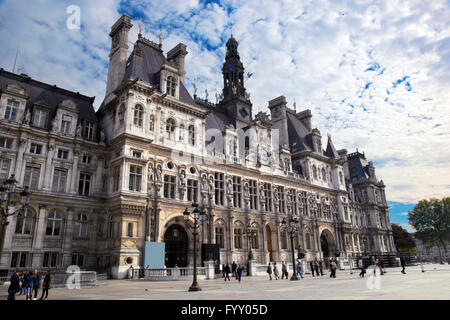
{"type": "Point", "coordinates": [433, 284]}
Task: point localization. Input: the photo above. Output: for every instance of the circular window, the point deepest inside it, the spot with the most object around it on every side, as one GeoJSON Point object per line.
{"type": "Point", "coordinates": [192, 170]}
{"type": "Point", "coordinates": [129, 260]}
{"type": "Point", "coordinates": [170, 165]}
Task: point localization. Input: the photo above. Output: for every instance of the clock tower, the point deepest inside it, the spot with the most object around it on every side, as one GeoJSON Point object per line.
{"type": "Point", "coordinates": [236, 101]}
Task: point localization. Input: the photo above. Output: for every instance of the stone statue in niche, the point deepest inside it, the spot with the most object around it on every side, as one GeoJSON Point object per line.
{"type": "Point", "coordinates": [78, 132]}
{"type": "Point", "coordinates": [229, 191]}
{"type": "Point", "coordinates": [55, 125]}
{"type": "Point", "coordinates": [211, 184]}
{"type": "Point", "coordinates": [150, 173]}
{"type": "Point", "coordinates": [204, 183]}
{"type": "Point", "coordinates": [159, 174]}
{"type": "Point", "coordinates": [27, 117]}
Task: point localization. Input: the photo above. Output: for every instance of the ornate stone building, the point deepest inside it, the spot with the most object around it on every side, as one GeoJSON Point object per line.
{"type": "Point", "coordinates": [103, 183]}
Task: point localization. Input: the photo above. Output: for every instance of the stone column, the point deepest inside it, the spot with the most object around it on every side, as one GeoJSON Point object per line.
{"type": "Point", "coordinates": [278, 255]}
{"type": "Point", "coordinates": [263, 235]}
{"type": "Point", "coordinates": [99, 176]}
{"type": "Point", "coordinates": [38, 236]}
{"type": "Point", "coordinates": [48, 165]}
{"type": "Point", "coordinates": [19, 160]}
{"type": "Point", "coordinates": [73, 180]}
{"type": "Point", "coordinates": [67, 237]}
{"type": "Point", "coordinates": [231, 235]}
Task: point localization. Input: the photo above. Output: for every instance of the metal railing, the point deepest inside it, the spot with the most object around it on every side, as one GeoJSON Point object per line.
{"type": "Point", "coordinates": [167, 273]}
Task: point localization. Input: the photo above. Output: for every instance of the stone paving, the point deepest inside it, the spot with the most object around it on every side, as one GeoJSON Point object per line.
{"type": "Point", "coordinates": [434, 284]}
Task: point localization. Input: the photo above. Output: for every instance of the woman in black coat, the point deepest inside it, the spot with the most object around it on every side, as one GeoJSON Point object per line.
{"type": "Point", "coordinates": [14, 287]}
{"type": "Point", "coordinates": [46, 284]}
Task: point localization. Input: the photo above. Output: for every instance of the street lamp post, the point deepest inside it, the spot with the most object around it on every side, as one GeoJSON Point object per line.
{"type": "Point", "coordinates": [250, 234]}
{"type": "Point", "coordinates": [291, 228]}
{"type": "Point", "coordinates": [198, 215]}
{"type": "Point", "coordinates": [7, 189]}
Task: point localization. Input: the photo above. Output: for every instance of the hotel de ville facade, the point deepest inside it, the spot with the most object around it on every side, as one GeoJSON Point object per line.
{"type": "Point", "coordinates": [103, 183]}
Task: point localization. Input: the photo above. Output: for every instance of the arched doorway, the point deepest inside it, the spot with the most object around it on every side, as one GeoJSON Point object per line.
{"type": "Point", "coordinates": [269, 242]}
{"type": "Point", "coordinates": [327, 244]}
{"type": "Point", "coordinates": [176, 241]}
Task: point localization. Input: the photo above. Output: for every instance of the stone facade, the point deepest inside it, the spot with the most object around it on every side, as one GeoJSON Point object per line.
{"type": "Point", "coordinates": [103, 183]}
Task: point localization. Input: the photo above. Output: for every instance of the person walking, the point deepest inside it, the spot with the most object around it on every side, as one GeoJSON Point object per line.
{"type": "Point", "coordinates": [234, 269]}
{"type": "Point", "coordinates": [223, 271]}
{"type": "Point", "coordinates": [321, 267]}
{"type": "Point", "coordinates": [14, 286]}
{"type": "Point", "coordinates": [239, 272]}
{"type": "Point", "coordinates": [311, 266]}
{"type": "Point", "coordinates": [276, 273]}
{"type": "Point", "coordinates": [284, 270]}
{"type": "Point", "coordinates": [332, 268]}
{"type": "Point", "coordinates": [227, 272]}
{"type": "Point", "coordinates": [373, 262]}
{"type": "Point", "coordinates": [36, 283]}
{"type": "Point", "coordinates": [300, 269]}
{"type": "Point", "coordinates": [269, 270]}
{"type": "Point", "coordinates": [22, 279]}
{"type": "Point", "coordinates": [28, 285]}
{"type": "Point", "coordinates": [380, 265]}
{"type": "Point", "coordinates": [46, 284]}
{"type": "Point", "coordinates": [403, 264]}
{"type": "Point", "coordinates": [316, 267]}
{"type": "Point", "coordinates": [361, 267]}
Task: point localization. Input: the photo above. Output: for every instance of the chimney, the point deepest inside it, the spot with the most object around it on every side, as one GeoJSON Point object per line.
{"type": "Point", "coordinates": [177, 56]}
{"type": "Point", "coordinates": [305, 117]}
{"type": "Point", "coordinates": [118, 54]}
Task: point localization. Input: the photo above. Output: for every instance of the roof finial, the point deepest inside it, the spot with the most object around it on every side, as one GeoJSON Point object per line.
{"type": "Point", "coordinates": [231, 28]}
{"type": "Point", "coordinates": [160, 37]}
{"type": "Point", "coordinates": [295, 106]}
{"type": "Point", "coordinates": [140, 28]}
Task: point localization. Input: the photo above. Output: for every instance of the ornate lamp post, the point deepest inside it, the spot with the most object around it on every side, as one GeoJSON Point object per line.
{"type": "Point", "coordinates": [199, 216]}
{"type": "Point", "coordinates": [291, 228]}
{"type": "Point", "coordinates": [249, 233]}
{"type": "Point", "coordinates": [7, 189]}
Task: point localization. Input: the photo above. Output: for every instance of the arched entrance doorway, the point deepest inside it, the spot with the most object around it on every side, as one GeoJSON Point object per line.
{"type": "Point", "coordinates": [176, 241]}
{"type": "Point", "coordinates": [327, 244]}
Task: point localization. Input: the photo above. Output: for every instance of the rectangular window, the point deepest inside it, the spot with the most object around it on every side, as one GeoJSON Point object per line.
{"type": "Point", "coordinates": [89, 130]}
{"type": "Point", "coordinates": [192, 190]}
{"type": "Point", "coordinates": [137, 154]}
{"type": "Point", "coordinates": [254, 240]}
{"type": "Point", "coordinates": [86, 159]}
{"type": "Point", "coordinates": [59, 180]}
{"type": "Point", "coordinates": [35, 148]}
{"type": "Point", "coordinates": [84, 184]}
{"type": "Point", "coordinates": [253, 188]}
{"type": "Point", "coordinates": [281, 199]}
{"type": "Point", "coordinates": [268, 196]}
{"type": "Point", "coordinates": [63, 154]}
{"type": "Point", "coordinates": [20, 259]}
{"type": "Point", "coordinates": [65, 124]}
{"type": "Point", "coordinates": [78, 259]}
{"type": "Point", "coordinates": [4, 169]}
{"type": "Point", "coordinates": [283, 237]}
{"type": "Point", "coordinates": [50, 259]}
{"type": "Point", "coordinates": [31, 178]}
{"type": "Point", "coordinates": [6, 142]}
{"type": "Point", "coordinates": [237, 192]}
{"type": "Point", "coordinates": [116, 179]}
{"type": "Point", "coordinates": [308, 241]}
{"type": "Point", "coordinates": [238, 238]}
{"type": "Point", "coordinates": [218, 178]}
{"type": "Point", "coordinates": [220, 237]}
{"type": "Point", "coordinates": [40, 118]}
{"type": "Point", "coordinates": [169, 187]}
{"type": "Point", "coordinates": [292, 196]}
{"type": "Point", "coordinates": [135, 178]}
{"type": "Point", "coordinates": [11, 110]}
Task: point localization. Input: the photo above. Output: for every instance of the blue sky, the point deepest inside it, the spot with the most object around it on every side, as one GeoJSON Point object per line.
{"type": "Point", "coordinates": [375, 74]}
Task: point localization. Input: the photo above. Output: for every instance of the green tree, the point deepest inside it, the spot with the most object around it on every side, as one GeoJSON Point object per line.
{"type": "Point", "coordinates": [403, 239]}
{"type": "Point", "coordinates": [431, 219]}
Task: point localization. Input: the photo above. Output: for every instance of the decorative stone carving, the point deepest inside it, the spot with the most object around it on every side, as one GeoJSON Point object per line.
{"type": "Point", "coordinates": [78, 132]}
{"type": "Point", "coordinates": [229, 191]}
{"type": "Point", "coordinates": [182, 184]}
{"type": "Point", "coordinates": [27, 117]}
{"type": "Point", "coordinates": [55, 125]}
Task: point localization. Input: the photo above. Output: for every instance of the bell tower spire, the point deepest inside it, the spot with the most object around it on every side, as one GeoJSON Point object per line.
{"type": "Point", "coordinates": [233, 72]}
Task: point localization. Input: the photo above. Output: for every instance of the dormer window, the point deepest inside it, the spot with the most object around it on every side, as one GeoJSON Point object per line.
{"type": "Point", "coordinates": [40, 118]}
{"type": "Point", "coordinates": [89, 130]}
{"type": "Point", "coordinates": [171, 86]}
{"type": "Point", "coordinates": [65, 124]}
{"type": "Point", "coordinates": [137, 154]}
{"type": "Point", "coordinates": [11, 110]}
{"type": "Point", "coordinates": [138, 114]}
{"type": "Point", "coordinates": [170, 128]}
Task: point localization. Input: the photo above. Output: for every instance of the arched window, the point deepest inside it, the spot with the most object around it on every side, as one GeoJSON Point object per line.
{"type": "Point", "coordinates": [283, 236]}
{"type": "Point", "coordinates": [315, 172]}
{"type": "Point", "coordinates": [152, 123]}
{"type": "Point", "coordinates": [170, 128]}
{"type": "Point", "coordinates": [54, 224]}
{"type": "Point", "coordinates": [138, 115]}
{"type": "Point", "coordinates": [191, 130]}
{"type": "Point", "coordinates": [254, 239]}
{"type": "Point", "coordinates": [24, 223]}
{"type": "Point", "coordinates": [308, 241]}
{"type": "Point", "coordinates": [171, 86]}
{"type": "Point", "coordinates": [238, 238]}
{"type": "Point", "coordinates": [110, 228]}
{"type": "Point", "coordinates": [324, 177]}
{"type": "Point", "coordinates": [130, 230]}
{"type": "Point", "coordinates": [80, 226]}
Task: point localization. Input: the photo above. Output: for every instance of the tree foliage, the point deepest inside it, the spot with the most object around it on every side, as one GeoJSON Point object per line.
{"type": "Point", "coordinates": [431, 219]}
{"type": "Point", "coordinates": [403, 239]}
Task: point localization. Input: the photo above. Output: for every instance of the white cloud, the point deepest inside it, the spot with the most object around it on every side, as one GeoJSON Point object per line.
{"type": "Point", "coordinates": [317, 52]}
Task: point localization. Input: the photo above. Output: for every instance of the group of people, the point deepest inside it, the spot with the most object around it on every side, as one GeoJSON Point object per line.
{"type": "Point", "coordinates": [28, 283]}
{"type": "Point", "coordinates": [377, 262]}
{"type": "Point", "coordinates": [236, 269]}
{"type": "Point", "coordinates": [284, 270]}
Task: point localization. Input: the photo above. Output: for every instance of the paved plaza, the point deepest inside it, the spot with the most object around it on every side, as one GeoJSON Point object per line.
{"type": "Point", "coordinates": [434, 284]}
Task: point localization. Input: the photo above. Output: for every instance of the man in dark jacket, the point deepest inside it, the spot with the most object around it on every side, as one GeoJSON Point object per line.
{"type": "Point", "coordinates": [14, 287]}
{"type": "Point", "coordinates": [403, 263]}
{"type": "Point", "coordinates": [36, 283]}
{"type": "Point", "coordinates": [227, 272]}
{"type": "Point", "coordinates": [321, 267]}
{"type": "Point", "coordinates": [312, 268]}
{"type": "Point", "coordinates": [234, 269]}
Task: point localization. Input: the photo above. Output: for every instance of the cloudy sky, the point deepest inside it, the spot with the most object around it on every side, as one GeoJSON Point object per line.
{"type": "Point", "coordinates": [376, 74]}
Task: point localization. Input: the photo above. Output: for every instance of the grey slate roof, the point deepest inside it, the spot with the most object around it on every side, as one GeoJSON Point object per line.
{"type": "Point", "coordinates": [299, 136]}
{"type": "Point", "coordinates": [358, 166]}
{"type": "Point", "coordinates": [52, 96]}
{"type": "Point", "coordinates": [145, 62]}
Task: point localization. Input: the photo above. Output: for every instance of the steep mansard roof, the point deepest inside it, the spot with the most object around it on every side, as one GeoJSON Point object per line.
{"type": "Point", "coordinates": [52, 96]}
{"type": "Point", "coordinates": [299, 135]}
{"type": "Point", "coordinates": [145, 62]}
{"type": "Point", "coordinates": [358, 166]}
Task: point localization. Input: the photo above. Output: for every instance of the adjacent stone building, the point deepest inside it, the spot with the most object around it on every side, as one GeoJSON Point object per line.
{"type": "Point", "coordinates": [103, 183]}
